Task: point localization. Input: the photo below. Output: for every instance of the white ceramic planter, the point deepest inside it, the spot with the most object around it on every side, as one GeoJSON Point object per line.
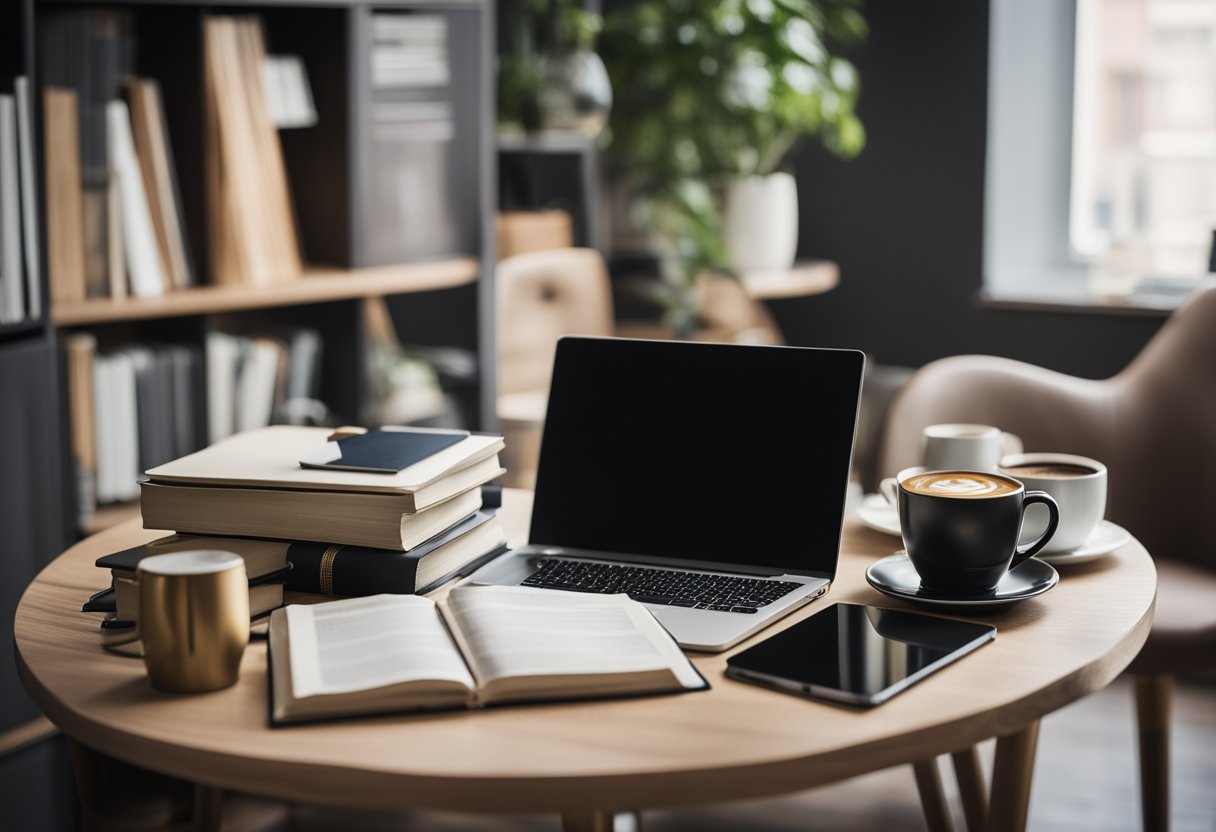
{"type": "Point", "coordinates": [761, 222]}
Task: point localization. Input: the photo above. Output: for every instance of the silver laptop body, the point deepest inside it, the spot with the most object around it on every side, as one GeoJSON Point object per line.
{"type": "Point", "coordinates": [628, 468]}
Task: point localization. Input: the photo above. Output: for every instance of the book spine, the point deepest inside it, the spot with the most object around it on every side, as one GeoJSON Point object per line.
{"type": "Point", "coordinates": [350, 570]}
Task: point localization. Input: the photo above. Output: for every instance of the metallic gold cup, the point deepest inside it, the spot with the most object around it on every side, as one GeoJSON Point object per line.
{"type": "Point", "coordinates": [193, 619]}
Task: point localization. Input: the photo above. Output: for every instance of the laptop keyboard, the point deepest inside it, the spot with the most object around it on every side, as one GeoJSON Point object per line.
{"type": "Point", "coordinates": [696, 590]}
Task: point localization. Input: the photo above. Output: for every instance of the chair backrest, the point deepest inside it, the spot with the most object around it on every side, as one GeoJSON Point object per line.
{"type": "Point", "coordinates": [543, 295]}
{"type": "Point", "coordinates": [1153, 425]}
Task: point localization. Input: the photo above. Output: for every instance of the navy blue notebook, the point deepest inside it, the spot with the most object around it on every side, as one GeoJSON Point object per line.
{"type": "Point", "coordinates": [382, 451]}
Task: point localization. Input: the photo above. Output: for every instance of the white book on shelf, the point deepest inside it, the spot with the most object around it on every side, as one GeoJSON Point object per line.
{"type": "Point", "coordinates": [143, 257]}
{"type": "Point", "coordinates": [27, 159]}
{"type": "Point", "coordinates": [222, 358]}
{"type": "Point", "coordinates": [126, 425]}
{"type": "Point", "coordinates": [256, 385]}
{"type": "Point", "coordinates": [103, 393]}
{"type": "Point", "coordinates": [12, 300]}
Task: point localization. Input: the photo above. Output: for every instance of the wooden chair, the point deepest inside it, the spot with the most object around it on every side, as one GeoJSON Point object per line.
{"type": "Point", "coordinates": [1154, 425]}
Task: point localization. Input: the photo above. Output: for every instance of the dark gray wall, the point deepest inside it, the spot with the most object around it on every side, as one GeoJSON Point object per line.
{"type": "Point", "coordinates": [905, 219]}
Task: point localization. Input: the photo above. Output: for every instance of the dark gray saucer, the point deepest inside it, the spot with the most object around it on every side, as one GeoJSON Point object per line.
{"type": "Point", "coordinates": [895, 576]}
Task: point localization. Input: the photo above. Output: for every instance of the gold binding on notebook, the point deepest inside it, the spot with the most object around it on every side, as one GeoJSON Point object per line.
{"type": "Point", "coordinates": [327, 569]}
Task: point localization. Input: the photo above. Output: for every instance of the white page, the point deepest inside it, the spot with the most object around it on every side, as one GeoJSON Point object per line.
{"type": "Point", "coordinates": [368, 643]}
{"type": "Point", "coordinates": [516, 631]}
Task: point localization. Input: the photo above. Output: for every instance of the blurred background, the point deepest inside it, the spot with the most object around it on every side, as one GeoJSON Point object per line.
{"type": "Point", "coordinates": [225, 215]}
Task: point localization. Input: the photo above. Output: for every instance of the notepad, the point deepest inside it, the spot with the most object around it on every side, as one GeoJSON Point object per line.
{"type": "Point", "coordinates": [382, 451]}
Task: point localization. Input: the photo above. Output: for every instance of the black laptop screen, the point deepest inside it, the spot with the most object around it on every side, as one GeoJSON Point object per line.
{"type": "Point", "coordinates": [701, 452]}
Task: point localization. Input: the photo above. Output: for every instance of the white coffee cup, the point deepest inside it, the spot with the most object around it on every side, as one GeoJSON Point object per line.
{"type": "Point", "coordinates": [961, 447]}
{"type": "Point", "coordinates": [1079, 492]}
{"type": "Point", "coordinates": [889, 487]}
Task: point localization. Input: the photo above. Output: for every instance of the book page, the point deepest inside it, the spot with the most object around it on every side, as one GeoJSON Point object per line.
{"type": "Point", "coordinates": [365, 643]}
{"type": "Point", "coordinates": [510, 631]}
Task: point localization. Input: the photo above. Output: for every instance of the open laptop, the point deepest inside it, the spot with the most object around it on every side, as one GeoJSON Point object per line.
{"type": "Point", "coordinates": [706, 480]}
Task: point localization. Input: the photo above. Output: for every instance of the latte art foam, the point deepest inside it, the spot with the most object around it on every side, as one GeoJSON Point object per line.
{"type": "Point", "coordinates": [960, 484]}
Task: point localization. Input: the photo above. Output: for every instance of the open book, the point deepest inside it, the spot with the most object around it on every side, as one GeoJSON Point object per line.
{"type": "Point", "coordinates": [482, 645]}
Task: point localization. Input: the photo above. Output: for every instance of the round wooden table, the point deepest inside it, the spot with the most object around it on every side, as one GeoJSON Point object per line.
{"type": "Point", "coordinates": [587, 760]}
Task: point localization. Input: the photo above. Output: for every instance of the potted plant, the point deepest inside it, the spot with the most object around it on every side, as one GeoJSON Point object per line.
{"type": "Point", "coordinates": [710, 96]}
{"type": "Point", "coordinates": [552, 79]}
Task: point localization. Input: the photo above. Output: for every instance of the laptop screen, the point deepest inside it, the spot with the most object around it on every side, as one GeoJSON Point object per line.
{"type": "Point", "coordinates": [710, 453]}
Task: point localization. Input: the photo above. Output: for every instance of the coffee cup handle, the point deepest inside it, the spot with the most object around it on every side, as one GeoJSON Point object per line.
{"type": "Point", "coordinates": [889, 488]}
{"type": "Point", "coordinates": [1032, 549]}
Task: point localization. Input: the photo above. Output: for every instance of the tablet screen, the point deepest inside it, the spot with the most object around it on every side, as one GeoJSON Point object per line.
{"type": "Point", "coordinates": [857, 654]}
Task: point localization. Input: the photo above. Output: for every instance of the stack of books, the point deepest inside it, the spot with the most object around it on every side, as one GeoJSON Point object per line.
{"type": "Point", "coordinates": [115, 220]}
{"type": "Point", "coordinates": [321, 530]}
{"type": "Point", "coordinates": [114, 215]}
{"type": "Point", "coordinates": [146, 403]}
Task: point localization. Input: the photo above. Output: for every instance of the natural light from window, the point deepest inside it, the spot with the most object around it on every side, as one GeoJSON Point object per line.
{"type": "Point", "coordinates": [1144, 136]}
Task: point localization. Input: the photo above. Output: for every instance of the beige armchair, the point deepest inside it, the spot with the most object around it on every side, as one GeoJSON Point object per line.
{"type": "Point", "coordinates": [1154, 425]}
{"type": "Point", "coordinates": [542, 295]}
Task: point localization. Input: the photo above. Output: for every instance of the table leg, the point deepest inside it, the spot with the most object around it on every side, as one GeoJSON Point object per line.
{"type": "Point", "coordinates": [596, 821]}
{"type": "Point", "coordinates": [932, 798]}
{"type": "Point", "coordinates": [971, 787]}
{"type": "Point", "coordinates": [1153, 719]}
{"type": "Point", "coordinates": [1012, 773]}
{"type": "Point", "coordinates": [208, 808]}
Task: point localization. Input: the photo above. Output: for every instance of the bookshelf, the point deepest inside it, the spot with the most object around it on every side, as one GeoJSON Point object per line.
{"type": "Point", "coordinates": [432, 267]}
{"type": "Point", "coordinates": [316, 286]}
{"type": "Point", "coordinates": [440, 296]}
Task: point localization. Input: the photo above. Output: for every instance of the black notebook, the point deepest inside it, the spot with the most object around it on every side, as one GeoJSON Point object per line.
{"type": "Point", "coordinates": [357, 570]}
{"type": "Point", "coordinates": [382, 451]}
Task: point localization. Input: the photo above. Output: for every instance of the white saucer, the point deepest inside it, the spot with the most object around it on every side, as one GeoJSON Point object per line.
{"type": "Point", "coordinates": [879, 515]}
{"type": "Point", "coordinates": [1104, 539]}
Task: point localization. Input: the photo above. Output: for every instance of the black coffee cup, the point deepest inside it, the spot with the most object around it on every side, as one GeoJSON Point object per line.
{"type": "Point", "coordinates": [961, 528]}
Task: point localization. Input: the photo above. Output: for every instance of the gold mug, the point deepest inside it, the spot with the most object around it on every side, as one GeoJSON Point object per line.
{"type": "Point", "coordinates": [193, 619]}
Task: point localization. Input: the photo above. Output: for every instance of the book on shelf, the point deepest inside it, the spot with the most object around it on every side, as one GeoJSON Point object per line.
{"type": "Point", "coordinates": [90, 52]}
{"type": "Point", "coordinates": [115, 245]}
{"type": "Point", "coordinates": [115, 225]}
{"type": "Point", "coordinates": [352, 518]}
{"type": "Point", "coordinates": [152, 148]}
{"type": "Point", "coordinates": [129, 409]}
{"type": "Point", "coordinates": [255, 379]}
{"type": "Point", "coordinates": [65, 222]}
{"type": "Point", "coordinates": [81, 350]}
{"type": "Point", "coordinates": [252, 224]}
{"type": "Point", "coordinates": [12, 278]}
{"type": "Point", "coordinates": [479, 646]}
{"type": "Point", "coordinates": [117, 427]}
{"type": "Point", "coordinates": [29, 197]}
{"type": "Point", "coordinates": [255, 385]}
{"type": "Point", "coordinates": [143, 259]}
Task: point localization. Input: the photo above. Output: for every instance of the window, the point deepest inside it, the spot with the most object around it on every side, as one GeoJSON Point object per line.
{"type": "Point", "coordinates": [1101, 163]}
{"type": "Point", "coordinates": [1144, 134]}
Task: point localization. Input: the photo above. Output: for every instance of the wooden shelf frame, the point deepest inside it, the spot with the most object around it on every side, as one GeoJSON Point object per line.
{"type": "Point", "coordinates": [315, 286]}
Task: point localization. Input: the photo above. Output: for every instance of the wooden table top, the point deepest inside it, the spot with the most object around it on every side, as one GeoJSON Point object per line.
{"type": "Point", "coordinates": [733, 742]}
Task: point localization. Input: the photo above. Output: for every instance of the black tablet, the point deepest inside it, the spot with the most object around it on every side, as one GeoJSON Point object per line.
{"type": "Point", "coordinates": [857, 655]}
